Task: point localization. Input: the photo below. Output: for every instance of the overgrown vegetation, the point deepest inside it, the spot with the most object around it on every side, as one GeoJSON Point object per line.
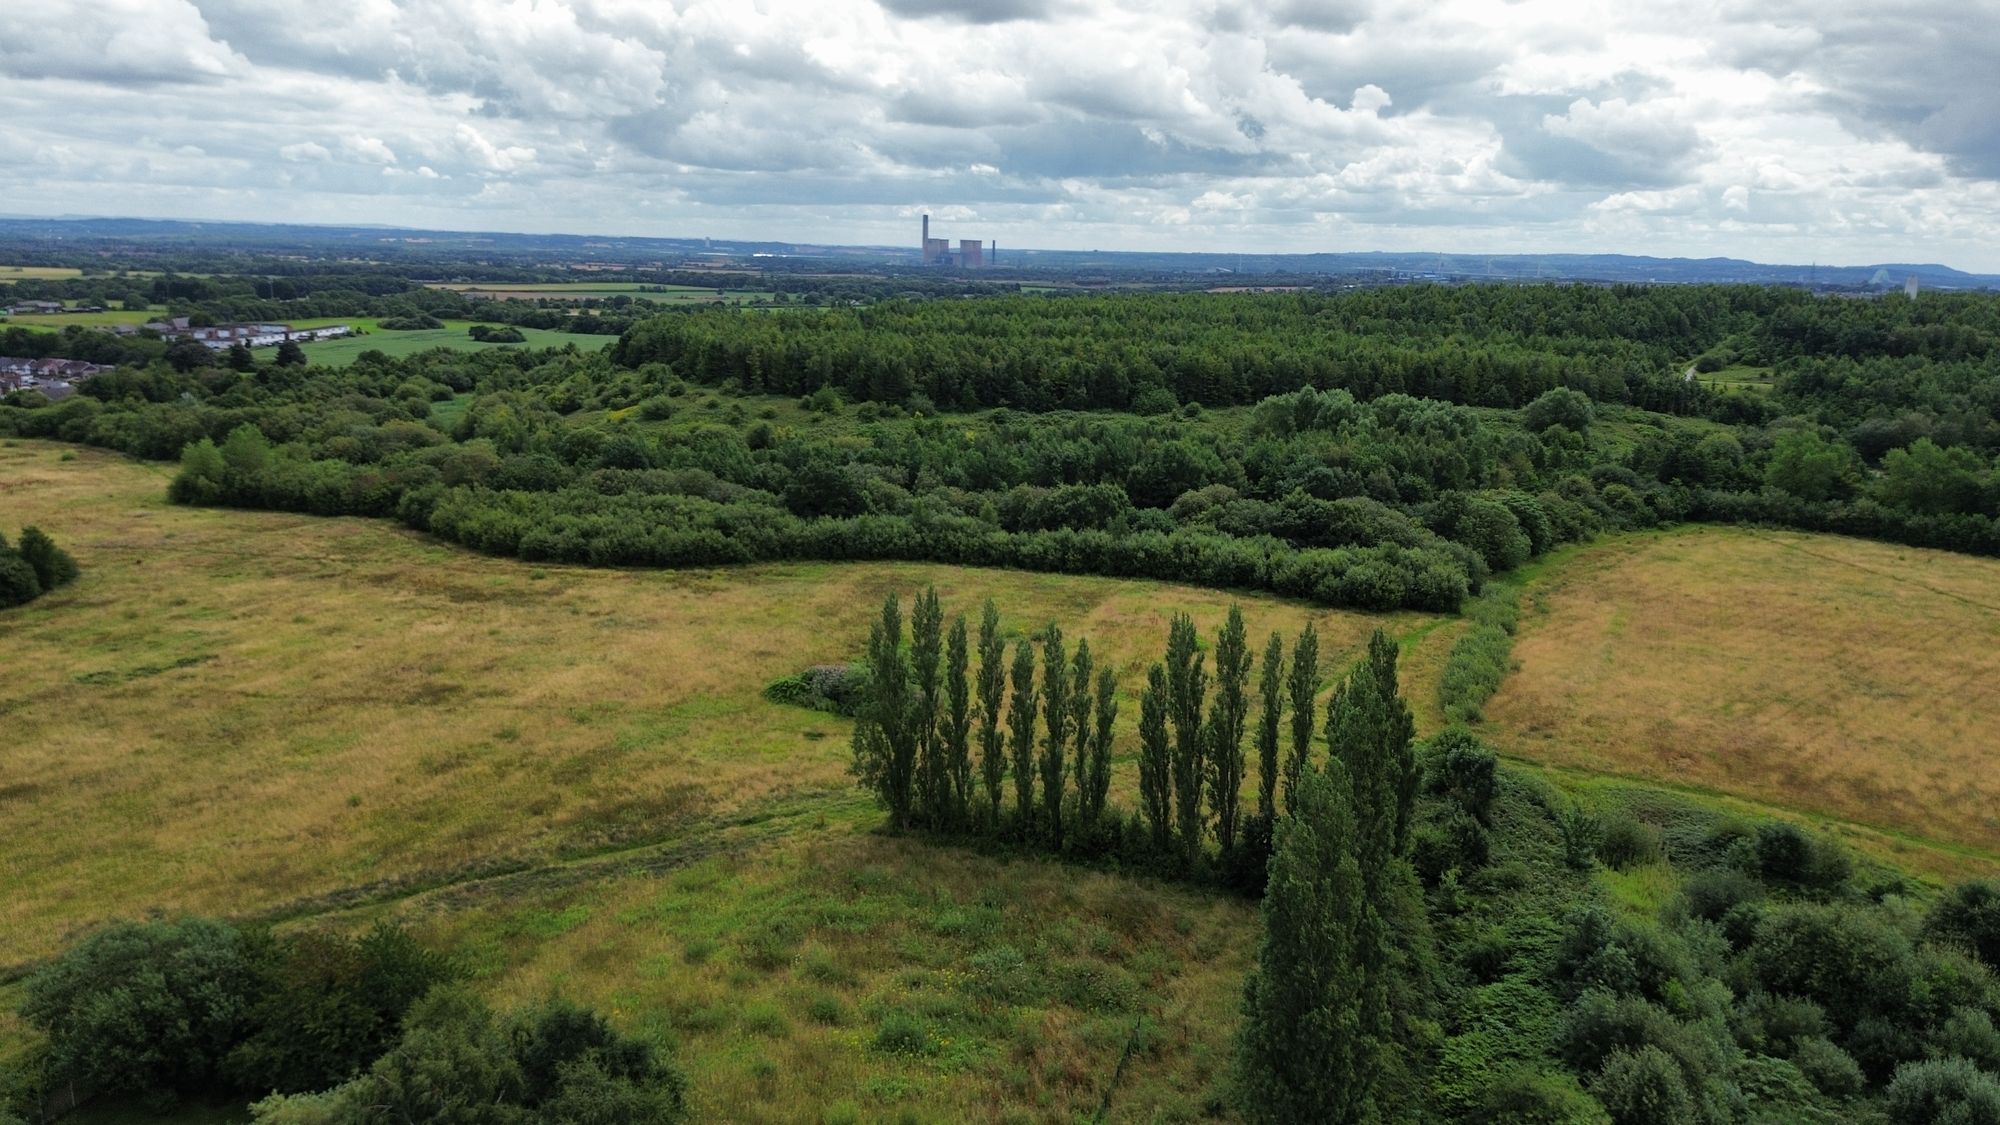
{"type": "Point", "coordinates": [1479, 658]}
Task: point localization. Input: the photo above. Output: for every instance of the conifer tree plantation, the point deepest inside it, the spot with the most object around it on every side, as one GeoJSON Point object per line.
{"type": "Point", "coordinates": [1400, 703]}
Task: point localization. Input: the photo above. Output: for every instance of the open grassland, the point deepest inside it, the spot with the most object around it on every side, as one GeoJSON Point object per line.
{"type": "Point", "coordinates": [1844, 678]}
{"type": "Point", "coordinates": [832, 973]}
{"type": "Point", "coordinates": [344, 351]}
{"type": "Point", "coordinates": [104, 319]}
{"type": "Point", "coordinates": [11, 274]}
{"type": "Point", "coordinates": [234, 711]}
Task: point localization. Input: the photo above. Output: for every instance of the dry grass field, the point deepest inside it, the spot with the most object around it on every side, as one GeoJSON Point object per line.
{"type": "Point", "coordinates": [237, 712]}
{"type": "Point", "coordinates": [1845, 678]}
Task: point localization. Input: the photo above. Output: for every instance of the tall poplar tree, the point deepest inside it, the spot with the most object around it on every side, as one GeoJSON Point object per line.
{"type": "Point", "coordinates": [1081, 669]}
{"type": "Point", "coordinates": [1310, 1046]}
{"type": "Point", "coordinates": [926, 654]}
{"type": "Point", "coordinates": [1097, 778]}
{"type": "Point", "coordinates": [1187, 685]}
{"type": "Point", "coordinates": [992, 690]}
{"type": "Point", "coordinates": [1368, 727]}
{"type": "Point", "coordinates": [1227, 718]}
{"type": "Point", "coordinates": [1021, 735]}
{"type": "Point", "coordinates": [1303, 686]}
{"type": "Point", "coordinates": [956, 726]}
{"type": "Point", "coordinates": [885, 735]}
{"type": "Point", "coordinates": [1271, 689]}
{"type": "Point", "coordinates": [1055, 719]}
{"type": "Point", "coordinates": [1156, 786]}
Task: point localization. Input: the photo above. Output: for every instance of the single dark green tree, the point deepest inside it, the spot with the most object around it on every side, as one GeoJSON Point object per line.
{"type": "Point", "coordinates": [956, 723]}
{"type": "Point", "coordinates": [992, 691]}
{"type": "Point", "coordinates": [18, 583]}
{"type": "Point", "coordinates": [1271, 693]}
{"type": "Point", "coordinates": [1368, 727]}
{"type": "Point", "coordinates": [1055, 745]}
{"type": "Point", "coordinates": [200, 478]}
{"type": "Point", "coordinates": [1309, 1049]}
{"type": "Point", "coordinates": [1097, 778]}
{"type": "Point", "coordinates": [1021, 736]}
{"type": "Point", "coordinates": [1156, 757]}
{"type": "Point", "coordinates": [290, 354]}
{"type": "Point", "coordinates": [1227, 718]}
{"type": "Point", "coordinates": [1187, 685]}
{"type": "Point", "coordinates": [885, 732]}
{"type": "Point", "coordinates": [926, 658]}
{"type": "Point", "coordinates": [1303, 687]}
{"type": "Point", "coordinates": [1081, 670]}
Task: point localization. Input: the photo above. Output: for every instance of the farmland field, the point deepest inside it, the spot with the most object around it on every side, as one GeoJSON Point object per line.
{"type": "Point", "coordinates": [11, 274]}
{"type": "Point", "coordinates": [343, 351]}
{"type": "Point", "coordinates": [89, 320]}
{"type": "Point", "coordinates": [1849, 678]}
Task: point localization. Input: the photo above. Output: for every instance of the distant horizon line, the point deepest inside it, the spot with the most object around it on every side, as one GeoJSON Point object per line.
{"type": "Point", "coordinates": [1016, 249]}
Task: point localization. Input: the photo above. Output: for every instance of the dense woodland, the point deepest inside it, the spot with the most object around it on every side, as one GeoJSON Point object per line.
{"type": "Point", "coordinates": [1374, 449]}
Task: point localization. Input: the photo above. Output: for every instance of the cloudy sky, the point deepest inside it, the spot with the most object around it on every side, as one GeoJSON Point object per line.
{"type": "Point", "coordinates": [1838, 131]}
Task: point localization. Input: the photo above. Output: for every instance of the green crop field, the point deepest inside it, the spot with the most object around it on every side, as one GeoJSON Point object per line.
{"type": "Point", "coordinates": [341, 352]}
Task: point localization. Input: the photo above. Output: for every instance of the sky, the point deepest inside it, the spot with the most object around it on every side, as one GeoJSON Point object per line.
{"type": "Point", "coordinates": [1834, 131]}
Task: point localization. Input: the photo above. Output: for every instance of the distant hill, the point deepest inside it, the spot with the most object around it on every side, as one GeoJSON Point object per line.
{"type": "Point", "coordinates": [402, 245]}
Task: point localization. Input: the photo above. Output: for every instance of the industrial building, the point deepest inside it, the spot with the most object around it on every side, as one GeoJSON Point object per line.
{"type": "Point", "coordinates": [971, 254]}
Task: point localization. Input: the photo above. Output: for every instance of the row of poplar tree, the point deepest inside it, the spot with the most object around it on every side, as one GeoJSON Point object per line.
{"type": "Point", "coordinates": [950, 719]}
{"type": "Point", "coordinates": [1342, 982]}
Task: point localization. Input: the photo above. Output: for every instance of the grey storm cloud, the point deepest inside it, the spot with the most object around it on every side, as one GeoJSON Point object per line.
{"type": "Point", "coordinates": [1795, 129]}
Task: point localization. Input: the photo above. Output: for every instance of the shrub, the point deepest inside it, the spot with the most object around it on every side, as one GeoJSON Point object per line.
{"type": "Point", "coordinates": [1581, 832]}
{"type": "Point", "coordinates": [1968, 915]}
{"type": "Point", "coordinates": [149, 1009]}
{"type": "Point", "coordinates": [901, 1033]}
{"type": "Point", "coordinates": [1786, 854]}
{"type": "Point", "coordinates": [1560, 406]}
{"type": "Point", "coordinates": [1942, 1092]}
{"type": "Point", "coordinates": [1831, 1070]}
{"type": "Point", "coordinates": [1449, 840]}
{"type": "Point", "coordinates": [1851, 962]}
{"type": "Point", "coordinates": [1461, 767]}
{"type": "Point", "coordinates": [18, 583]}
{"type": "Point", "coordinates": [1710, 895]}
{"type": "Point", "coordinates": [1628, 843]}
{"type": "Point", "coordinates": [53, 565]}
{"type": "Point", "coordinates": [1644, 1087]}
{"type": "Point", "coordinates": [328, 1005]}
{"type": "Point", "coordinates": [1521, 1096]}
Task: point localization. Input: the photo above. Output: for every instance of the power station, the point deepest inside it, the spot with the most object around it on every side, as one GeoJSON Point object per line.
{"type": "Point", "coordinates": [971, 254]}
